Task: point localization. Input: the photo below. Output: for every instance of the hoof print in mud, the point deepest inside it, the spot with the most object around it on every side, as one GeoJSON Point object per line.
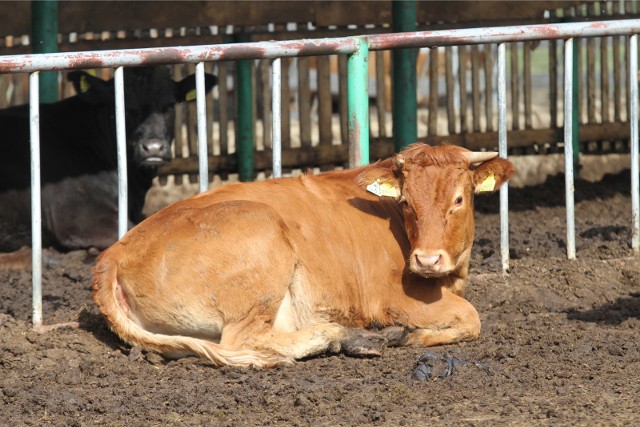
{"type": "Point", "coordinates": [431, 365]}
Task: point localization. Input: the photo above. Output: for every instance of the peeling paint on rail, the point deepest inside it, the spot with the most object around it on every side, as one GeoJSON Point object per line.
{"type": "Point", "coordinates": [502, 34]}
{"type": "Point", "coordinates": [172, 55]}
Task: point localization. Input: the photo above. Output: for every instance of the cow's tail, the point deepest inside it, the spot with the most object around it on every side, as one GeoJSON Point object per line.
{"type": "Point", "coordinates": [105, 288]}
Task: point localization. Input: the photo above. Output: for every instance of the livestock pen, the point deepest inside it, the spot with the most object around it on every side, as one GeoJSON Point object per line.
{"type": "Point", "coordinates": [554, 350]}
{"type": "Point", "coordinates": [357, 48]}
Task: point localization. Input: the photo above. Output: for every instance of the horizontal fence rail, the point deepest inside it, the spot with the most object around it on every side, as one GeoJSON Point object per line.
{"type": "Point", "coordinates": [311, 47]}
{"type": "Point", "coordinates": [356, 47]}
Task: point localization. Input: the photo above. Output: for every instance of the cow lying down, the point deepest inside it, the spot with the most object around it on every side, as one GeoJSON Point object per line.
{"type": "Point", "coordinates": [270, 272]}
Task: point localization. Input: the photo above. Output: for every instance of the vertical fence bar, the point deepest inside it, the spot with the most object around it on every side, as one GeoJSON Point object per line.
{"type": "Point", "coordinates": [285, 111]}
{"type": "Point", "coordinates": [633, 112]}
{"type": "Point", "coordinates": [36, 207]}
{"type": "Point", "coordinates": [276, 131]}
{"type": "Point", "coordinates": [244, 134]}
{"type": "Point", "coordinates": [304, 101]}
{"type": "Point", "coordinates": [201, 108]}
{"type": "Point", "coordinates": [405, 119]}
{"type": "Point", "coordinates": [358, 104]}
{"type": "Point", "coordinates": [553, 83]}
{"type": "Point", "coordinates": [488, 87]}
{"type": "Point", "coordinates": [568, 146]}
{"type": "Point", "coordinates": [575, 131]}
{"type": "Point", "coordinates": [44, 30]}
{"type": "Point", "coordinates": [410, 100]}
{"type": "Point", "coordinates": [462, 83]}
{"type": "Point", "coordinates": [502, 148]}
{"type": "Point", "coordinates": [121, 138]}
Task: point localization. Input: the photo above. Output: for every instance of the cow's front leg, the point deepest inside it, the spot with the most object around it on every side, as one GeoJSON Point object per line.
{"type": "Point", "coordinates": [448, 319]}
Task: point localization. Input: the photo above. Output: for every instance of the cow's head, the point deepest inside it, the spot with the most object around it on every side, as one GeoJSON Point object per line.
{"type": "Point", "coordinates": [150, 96]}
{"type": "Point", "coordinates": [435, 187]}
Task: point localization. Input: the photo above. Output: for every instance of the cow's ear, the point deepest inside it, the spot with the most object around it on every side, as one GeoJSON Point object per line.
{"type": "Point", "coordinates": [489, 176]}
{"type": "Point", "coordinates": [381, 181]}
{"type": "Point", "coordinates": [90, 88]}
{"type": "Point", "coordinates": [186, 88]}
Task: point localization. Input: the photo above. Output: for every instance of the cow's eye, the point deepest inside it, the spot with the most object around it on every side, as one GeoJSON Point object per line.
{"type": "Point", "coordinates": [458, 201]}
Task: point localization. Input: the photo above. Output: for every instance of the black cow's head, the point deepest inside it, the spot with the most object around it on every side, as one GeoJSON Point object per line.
{"type": "Point", "coordinates": [150, 96]}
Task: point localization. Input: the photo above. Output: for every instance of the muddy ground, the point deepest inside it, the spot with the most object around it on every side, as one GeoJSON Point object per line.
{"type": "Point", "coordinates": [560, 344]}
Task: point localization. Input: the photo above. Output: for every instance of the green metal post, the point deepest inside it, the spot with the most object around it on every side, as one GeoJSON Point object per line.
{"type": "Point", "coordinates": [44, 29]}
{"type": "Point", "coordinates": [405, 106]}
{"type": "Point", "coordinates": [358, 104]}
{"type": "Point", "coordinates": [244, 127]}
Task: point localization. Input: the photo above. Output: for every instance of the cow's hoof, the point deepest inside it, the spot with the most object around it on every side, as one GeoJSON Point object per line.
{"type": "Point", "coordinates": [361, 343]}
{"type": "Point", "coordinates": [396, 336]}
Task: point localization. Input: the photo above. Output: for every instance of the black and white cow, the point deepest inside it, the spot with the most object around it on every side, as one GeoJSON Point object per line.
{"type": "Point", "coordinates": [78, 157]}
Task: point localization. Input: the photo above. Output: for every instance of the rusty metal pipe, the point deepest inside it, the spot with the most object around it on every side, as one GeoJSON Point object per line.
{"type": "Point", "coordinates": [310, 47]}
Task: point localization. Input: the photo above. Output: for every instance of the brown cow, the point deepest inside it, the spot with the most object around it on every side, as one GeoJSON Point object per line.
{"type": "Point", "coordinates": [269, 272]}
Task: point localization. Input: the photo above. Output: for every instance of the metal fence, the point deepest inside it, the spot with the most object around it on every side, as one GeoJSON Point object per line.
{"type": "Point", "coordinates": [357, 49]}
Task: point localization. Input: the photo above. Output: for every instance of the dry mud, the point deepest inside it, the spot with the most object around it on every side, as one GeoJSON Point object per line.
{"type": "Point", "coordinates": [559, 344]}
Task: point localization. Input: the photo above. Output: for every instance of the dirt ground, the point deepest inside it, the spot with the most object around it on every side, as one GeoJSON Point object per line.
{"type": "Point", "coordinates": [560, 344]}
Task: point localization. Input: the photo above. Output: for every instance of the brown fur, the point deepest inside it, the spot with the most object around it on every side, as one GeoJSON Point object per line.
{"type": "Point", "coordinates": [273, 271]}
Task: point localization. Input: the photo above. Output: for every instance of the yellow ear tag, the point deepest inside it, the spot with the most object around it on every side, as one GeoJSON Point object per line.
{"type": "Point", "coordinates": [191, 95]}
{"type": "Point", "coordinates": [383, 189]}
{"type": "Point", "coordinates": [84, 84]}
{"type": "Point", "coordinates": [489, 184]}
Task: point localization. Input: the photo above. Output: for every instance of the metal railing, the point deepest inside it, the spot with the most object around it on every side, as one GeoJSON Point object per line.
{"type": "Point", "coordinates": [357, 48]}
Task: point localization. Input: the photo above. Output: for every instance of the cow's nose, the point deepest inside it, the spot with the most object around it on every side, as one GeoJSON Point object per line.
{"type": "Point", "coordinates": [154, 148]}
{"type": "Point", "coordinates": [428, 260]}
{"type": "Point", "coordinates": [431, 262]}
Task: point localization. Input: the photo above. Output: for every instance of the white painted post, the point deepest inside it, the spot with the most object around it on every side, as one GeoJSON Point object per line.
{"type": "Point", "coordinates": [276, 105]}
{"type": "Point", "coordinates": [201, 113]}
{"type": "Point", "coordinates": [633, 119]}
{"type": "Point", "coordinates": [36, 203]}
{"type": "Point", "coordinates": [502, 148]}
{"type": "Point", "coordinates": [568, 148]}
{"type": "Point", "coordinates": [121, 137]}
